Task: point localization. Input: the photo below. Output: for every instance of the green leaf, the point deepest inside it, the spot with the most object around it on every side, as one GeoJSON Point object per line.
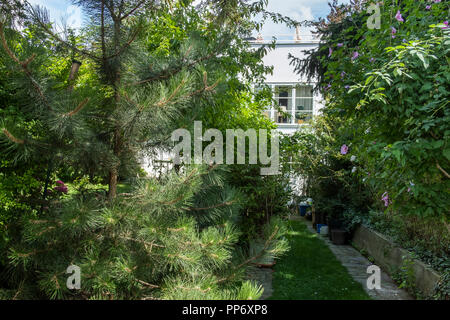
{"type": "Point", "coordinates": [446, 153]}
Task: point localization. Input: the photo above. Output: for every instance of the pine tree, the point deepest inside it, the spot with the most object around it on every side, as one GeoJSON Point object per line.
{"type": "Point", "coordinates": [149, 246]}
{"type": "Point", "coordinates": [173, 238]}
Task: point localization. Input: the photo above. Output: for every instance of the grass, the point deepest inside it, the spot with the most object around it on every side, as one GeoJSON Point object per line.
{"type": "Point", "coordinates": [310, 271]}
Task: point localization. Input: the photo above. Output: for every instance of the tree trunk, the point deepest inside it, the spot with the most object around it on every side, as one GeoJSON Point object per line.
{"type": "Point", "coordinates": [112, 183]}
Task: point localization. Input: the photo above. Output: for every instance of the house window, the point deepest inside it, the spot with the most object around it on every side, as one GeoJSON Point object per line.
{"type": "Point", "coordinates": [283, 97]}
{"type": "Point", "coordinates": [303, 104]}
{"type": "Point", "coordinates": [294, 102]}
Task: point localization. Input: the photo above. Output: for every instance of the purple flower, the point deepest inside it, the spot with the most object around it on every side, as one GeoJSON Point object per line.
{"type": "Point", "coordinates": [446, 25]}
{"type": "Point", "coordinates": [371, 59]}
{"type": "Point", "coordinates": [404, 40]}
{"type": "Point", "coordinates": [60, 182]}
{"type": "Point", "coordinates": [393, 31]}
{"type": "Point", "coordinates": [347, 86]}
{"type": "Point", "coordinates": [355, 55]}
{"type": "Point", "coordinates": [343, 73]}
{"type": "Point", "coordinates": [328, 87]}
{"type": "Point", "coordinates": [399, 17]}
{"type": "Point", "coordinates": [385, 198]}
{"type": "Point", "coordinates": [62, 189]}
{"type": "Point", "coordinates": [428, 7]}
{"type": "Point", "coordinates": [340, 44]}
{"type": "Point", "coordinates": [437, 1]}
{"type": "Point", "coordinates": [344, 149]}
{"type": "Point", "coordinates": [330, 51]}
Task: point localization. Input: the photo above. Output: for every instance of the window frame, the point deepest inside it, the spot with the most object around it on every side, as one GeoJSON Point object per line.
{"type": "Point", "coordinates": [272, 111]}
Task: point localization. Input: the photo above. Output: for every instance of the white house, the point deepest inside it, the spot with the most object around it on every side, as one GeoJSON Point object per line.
{"type": "Point", "coordinates": [293, 94]}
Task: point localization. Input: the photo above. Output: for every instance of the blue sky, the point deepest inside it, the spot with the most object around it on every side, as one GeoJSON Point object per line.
{"type": "Point", "coordinates": [296, 9]}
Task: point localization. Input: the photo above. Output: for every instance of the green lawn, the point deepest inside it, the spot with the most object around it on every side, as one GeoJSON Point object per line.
{"type": "Point", "coordinates": [311, 271]}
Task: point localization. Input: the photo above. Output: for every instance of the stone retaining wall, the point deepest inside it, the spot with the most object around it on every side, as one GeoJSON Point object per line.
{"type": "Point", "coordinates": [390, 257]}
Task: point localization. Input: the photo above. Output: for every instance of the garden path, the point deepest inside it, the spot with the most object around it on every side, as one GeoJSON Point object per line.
{"type": "Point", "coordinates": [357, 264]}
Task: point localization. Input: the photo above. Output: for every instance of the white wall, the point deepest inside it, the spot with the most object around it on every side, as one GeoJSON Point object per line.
{"type": "Point", "coordinates": [283, 73]}
{"type": "Point", "coordinates": [278, 58]}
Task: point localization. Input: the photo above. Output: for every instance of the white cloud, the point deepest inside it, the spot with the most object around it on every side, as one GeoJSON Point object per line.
{"type": "Point", "coordinates": [299, 10]}
{"type": "Point", "coordinates": [61, 11]}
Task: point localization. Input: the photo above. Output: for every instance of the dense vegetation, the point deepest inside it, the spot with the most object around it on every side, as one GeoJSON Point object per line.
{"type": "Point", "coordinates": [81, 108]}
{"type": "Point", "coordinates": [380, 154]}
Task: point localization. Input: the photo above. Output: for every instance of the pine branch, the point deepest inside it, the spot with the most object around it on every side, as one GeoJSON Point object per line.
{"type": "Point", "coordinates": [163, 102]}
{"type": "Point", "coordinates": [80, 106]}
{"type": "Point", "coordinates": [125, 46]}
{"type": "Point", "coordinates": [57, 38]}
{"type": "Point", "coordinates": [126, 15]}
{"type": "Point", "coordinates": [253, 258]}
{"type": "Point", "coordinates": [12, 138]}
{"type": "Point", "coordinates": [223, 204]}
{"type": "Point", "coordinates": [149, 285]}
{"type": "Point", "coordinates": [23, 64]}
{"type": "Point", "coordinates": [146, 243]}
{"type": "Point", "coordinates": [166, 74]}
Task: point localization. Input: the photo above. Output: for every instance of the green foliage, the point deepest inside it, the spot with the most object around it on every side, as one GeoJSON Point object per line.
{"type": "Point", "coordinates": [405, 276]}
{"type": "Point", "coordinates": [153, 244]}
{"type": "Point", "coordinates": [18, 190]}
{"type": "Point", "coordinates": [329, 177]}
{"type": "Point", "coordinates": [396, 101]}
{"type": "Point", "coordinates": [387, 96]}
{"type": "Point", "coordinates": [146, 70]}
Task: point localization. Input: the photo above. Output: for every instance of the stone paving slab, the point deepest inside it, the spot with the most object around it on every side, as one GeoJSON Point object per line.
{"type": "Point", "coordinates": [263, 277]}
{"type": "Point", "coordinates": [357, 264]}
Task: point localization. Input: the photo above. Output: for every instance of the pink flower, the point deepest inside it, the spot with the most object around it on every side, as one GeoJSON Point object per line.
{"type": "Point", "coordinates": [344, 149]}
{"type": "Point", "coordinates": [428, 7]}
{"type": "Point", "coordinates": [60, 182]}
{"type": "Point", "coordinates": [62, 189]}
{"type": "Point", "coordinates": [355, 55]}
{"type": "Point", "coordinates": [393, 31]}
{"type": "Point", "coordinates": [399, 17]}
{"type": "Point", "coordinates": [385, 199]}
{"type": "Point", "coordinates": [437, 1]}
{"type": "Point", "coordinates": [446, 25]}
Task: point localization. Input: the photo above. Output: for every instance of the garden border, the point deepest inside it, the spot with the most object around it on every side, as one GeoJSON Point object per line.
{"type": "Point", "coordinates": [391, 257]}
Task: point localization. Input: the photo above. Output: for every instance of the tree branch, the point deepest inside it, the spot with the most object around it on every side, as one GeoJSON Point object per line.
{"type": "Point", "coordinates": [132, 10]}
{"type": "Point", "coordinates": [12, 138]}
{"type": "Point", "coordinates": [57, 38]}
{"type": "Point", "coordinates": [23, 64]}
{"type": "Point", "coordinates": [149, 285]}
{"type": "Point", "coordinates": [126, 45]}
{"type": "Point", "coordinates": [223, 204]}
{"type": "Point", "coordinates": [77, 109]}
{"type": "Point", "coordinates": [169, 73]}
{"type": "Point", "coordinates": [442, 170]}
